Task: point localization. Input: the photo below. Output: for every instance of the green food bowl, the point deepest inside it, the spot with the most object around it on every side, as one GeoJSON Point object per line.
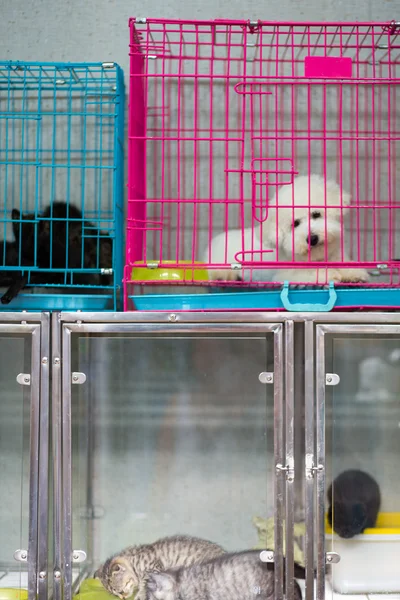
{"type": "Point", "coordinates": [186, 271]}
{"type": "Point", "coordinates": [13, 594]}
{"type": "Point", "coordinates": [90, 589]}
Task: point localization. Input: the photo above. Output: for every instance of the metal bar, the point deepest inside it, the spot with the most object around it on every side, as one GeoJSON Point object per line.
{"type": "Point", "coordinates": [290, 473]}
{"type": "Point", "coordinates": [14, 328]}
{"type": "Point", "coordinates": [23, 316]}
{"type": "Point", "coordinates": [279, 487]}
{"type": "Point", "coordinates": [43, 512]}
{"type": "Point", "coordinates": [66, 464]}
{"type": "Point", "coordinates": [309, 456]}
{"type": "Point", "coordinates": [34, 457]}
{"type": "Point", "coordinates": [227, 317]}
{"type": "Point", "coordinates": [299, 452]}
{"type": "Point", "coordinates": [173, 330]}
{"type": "Point", "coordinates": [57, 452]}
{"type": "Point", "coordinates": [361, 329]}
{"type": "Point", "coordinates": [320, 464]}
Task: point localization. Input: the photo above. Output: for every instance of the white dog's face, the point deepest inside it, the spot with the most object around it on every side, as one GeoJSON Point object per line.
{"type": "Point", "coordinates": [307, 224]}
{"type": "Point", "coordinates": [309, 234]}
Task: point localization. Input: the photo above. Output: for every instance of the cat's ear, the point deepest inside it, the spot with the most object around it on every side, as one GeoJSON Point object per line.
{"type": "Point", "coordinates": [157, 582]}
{"type": "Point", "coordinates": [117, 565]}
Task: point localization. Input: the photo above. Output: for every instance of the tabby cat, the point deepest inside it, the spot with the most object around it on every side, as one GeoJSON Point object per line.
{"type": "Point", "coordinates": [239, 576]}
{"type": "Point", "coordinates": [127, 570]}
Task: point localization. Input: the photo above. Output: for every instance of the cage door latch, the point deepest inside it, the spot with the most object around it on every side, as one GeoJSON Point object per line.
{"type": "Point", "coordinates": [289, 470]}
{"type": "Point", "coordinates": [78, 378]}
{"type": "Point", "coordinates": [311, 468]}
{"type": "Point", "coordinates": [24, 378]}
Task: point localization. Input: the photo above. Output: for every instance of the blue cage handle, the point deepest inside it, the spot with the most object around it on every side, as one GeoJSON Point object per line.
{"type": "Point", "coordinates": [311, 307]}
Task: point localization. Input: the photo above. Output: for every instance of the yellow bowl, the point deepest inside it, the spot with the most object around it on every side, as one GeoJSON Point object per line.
{"type": "Point", "coordinates": [13, 594]}
{"type": "Point", "coordinates": [150, 271]}
{"type": "Point", "coordinates": [386, 523]}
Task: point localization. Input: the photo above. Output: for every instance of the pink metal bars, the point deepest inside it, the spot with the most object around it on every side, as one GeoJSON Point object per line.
{"type": "Point", "coordinates": [262, 152]}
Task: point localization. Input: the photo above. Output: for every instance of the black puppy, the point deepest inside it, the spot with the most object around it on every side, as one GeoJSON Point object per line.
{"type": "Point", "coordinates": [63, 241]}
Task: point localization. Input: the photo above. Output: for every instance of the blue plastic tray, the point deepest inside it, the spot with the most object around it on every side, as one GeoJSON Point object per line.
{"type": "Point", "coordinates": [53, 302]}
{"type": "Point", "coordinates": [286, 298]}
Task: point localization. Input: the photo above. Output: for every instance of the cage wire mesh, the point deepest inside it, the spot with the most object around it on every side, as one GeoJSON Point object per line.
{"type": "Point", "coordinates": [61, 181]}
{"type": "Point", "coordinates": [225, 116]}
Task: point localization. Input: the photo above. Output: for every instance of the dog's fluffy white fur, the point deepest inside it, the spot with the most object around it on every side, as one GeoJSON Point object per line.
{"type": "Point", "coordinates": [304, 224]}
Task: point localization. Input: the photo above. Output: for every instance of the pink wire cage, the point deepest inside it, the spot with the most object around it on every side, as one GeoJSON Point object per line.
{"type": "Point", "coordinates": [262, 152]}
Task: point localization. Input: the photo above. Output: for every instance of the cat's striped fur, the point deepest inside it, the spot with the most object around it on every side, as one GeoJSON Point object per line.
{"type": "Point", "coordinates": [125, 571]}
{"type": "Point", "coordinates": [239, 576]}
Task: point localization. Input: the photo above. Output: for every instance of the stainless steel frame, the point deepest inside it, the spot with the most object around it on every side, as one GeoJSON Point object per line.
{"type": "Point", "coordinates": [279, 458]}
{"type": "Point", "coordinates": [37, 325]}
{"type": "Point", "coordinates": [57, 454]}
{"type": "Point", "coordinates": [315, 326]}
{"type": "Point", "coordinates": [309, 456]}
{"type": "Point", "coordinates": [83, 326]}
{"type": "Point", "coordinates": [43, 492]}
{"type": "Point", "coordinates": [290, 466]}
{"type": "Point", "coordinates": [322, 330]}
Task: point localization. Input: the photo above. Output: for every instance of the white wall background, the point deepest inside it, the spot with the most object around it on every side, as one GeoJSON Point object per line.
{"type": "Point", "coordinates": [97, 30]}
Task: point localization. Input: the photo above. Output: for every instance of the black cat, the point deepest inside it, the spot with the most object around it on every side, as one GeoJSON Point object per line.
{"type": "Point", "coordinates": [63, 241]}
{"type": "Point", "coordinates": [354, 500]}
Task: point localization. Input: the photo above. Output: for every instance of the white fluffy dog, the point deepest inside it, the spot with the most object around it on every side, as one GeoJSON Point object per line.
{"type": "Point", "coordinates": [304, 224]}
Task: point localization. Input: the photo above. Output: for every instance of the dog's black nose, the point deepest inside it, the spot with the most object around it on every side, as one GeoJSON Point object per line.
{"type": "Point", "coordinates": [312, 240]}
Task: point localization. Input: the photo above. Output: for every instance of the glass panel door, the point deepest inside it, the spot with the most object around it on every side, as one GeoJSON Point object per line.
{"type": "Point", "coordinates": [19, 404]}
{"type": "Point", "coordinates": [171, 433]}
{"type": "Point", "coordinates": [358, 396]}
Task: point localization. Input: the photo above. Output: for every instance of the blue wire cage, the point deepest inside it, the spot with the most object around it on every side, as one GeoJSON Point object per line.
{"type": "Point", "coordinates": [61, 182]}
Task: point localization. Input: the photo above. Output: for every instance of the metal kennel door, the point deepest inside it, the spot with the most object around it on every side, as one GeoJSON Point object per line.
{"type": "Point", "coordinates": [117, 377]}
{"type": "Point", "coordinates": [24, 381]}
{"type": "Point", "coordinates": [357, 412]}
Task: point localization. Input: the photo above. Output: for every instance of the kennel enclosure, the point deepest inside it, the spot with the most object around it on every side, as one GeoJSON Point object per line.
{"type": "Point", "coordinates": [249, 416]}
{"type": "Point", "coordinates": [61, 176]}
{"type": "Point", "coordinates": [223, 116]}
{"type": "Point", "coordinates": [24, 444]}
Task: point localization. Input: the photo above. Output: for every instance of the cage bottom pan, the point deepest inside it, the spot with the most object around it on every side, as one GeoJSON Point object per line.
{"type": "Point", "coordinates": [54, 302]}
{"type": "Point", "coordinates": [285, 298]}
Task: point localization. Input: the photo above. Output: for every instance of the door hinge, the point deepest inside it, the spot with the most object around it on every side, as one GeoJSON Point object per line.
{"type": "Point", "coordinates": [24, 378]}
{"type": "Point", "coordinates": [332, 558]}
{"type": "Point", "coordinates": [267, 556]}
{"type": "Point", "coordinates": [266, 377]}
{"type": "Point", "coordinates": [78, 378]}
{"type": "Point", "coordinates": [332, 379]}
{"type": "Point", "coordinates": [78, 556]}
{"type": "Point", "coordinates": [21, 555]}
